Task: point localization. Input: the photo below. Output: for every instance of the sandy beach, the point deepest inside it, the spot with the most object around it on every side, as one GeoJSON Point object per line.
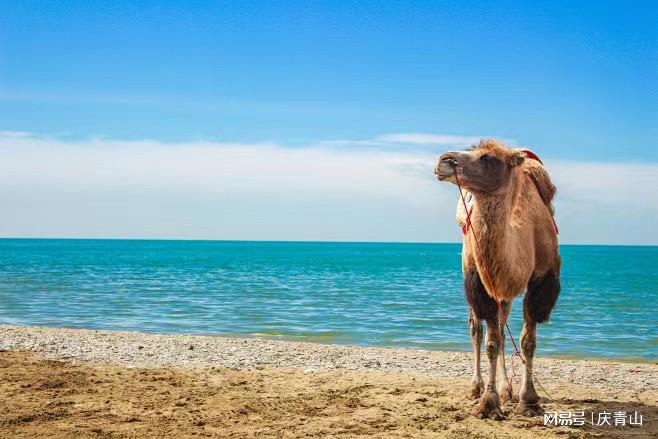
{"type": "Point", "coordinates": [83, 383]}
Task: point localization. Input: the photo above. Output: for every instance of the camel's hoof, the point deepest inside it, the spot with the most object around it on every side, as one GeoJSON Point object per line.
{"type": "Point", "coordinates": [507, 396]}
{"type": "Point", "coordinates": [474, 392]}
{"type": "Point", "coordinates": [528, 409]}
{"type": "Point", "coordinates": [489, 407]}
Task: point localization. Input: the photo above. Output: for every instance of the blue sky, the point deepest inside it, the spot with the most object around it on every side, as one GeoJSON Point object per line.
{"type": "Point", "coordinates": [576, 82]}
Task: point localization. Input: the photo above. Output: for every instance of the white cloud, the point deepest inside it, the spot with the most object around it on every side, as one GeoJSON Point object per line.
{"type": "Point", "coordinates": [606, 202]}
{"type": "Point", "coordinates": [103, 187]}
{"type": "Point", "coordinates": [215, 190]}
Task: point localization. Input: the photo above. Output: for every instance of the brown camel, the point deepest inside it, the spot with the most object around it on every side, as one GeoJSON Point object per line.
{"type": "Point", "coordinates": [509, 193]}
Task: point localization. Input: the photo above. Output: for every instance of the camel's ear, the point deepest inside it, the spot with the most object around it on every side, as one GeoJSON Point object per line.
{"type": "Point", "coordinates": [517, 158]}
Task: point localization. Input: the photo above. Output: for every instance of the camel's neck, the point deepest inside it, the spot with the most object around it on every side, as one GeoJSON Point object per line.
{"type": "Point", "coordinates": [493, 216]}
{"type": "Point", "coordinates": [491, 220]}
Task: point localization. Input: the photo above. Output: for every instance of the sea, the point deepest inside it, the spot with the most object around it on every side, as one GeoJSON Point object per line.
{"type": "Point", "coordinates": [365, 294]}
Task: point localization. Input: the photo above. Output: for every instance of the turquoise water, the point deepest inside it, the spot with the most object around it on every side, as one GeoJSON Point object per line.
{"type": "Point", "coordinates": [400, 295]}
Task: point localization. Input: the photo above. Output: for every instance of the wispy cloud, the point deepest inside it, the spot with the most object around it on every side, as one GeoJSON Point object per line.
{"type": "Point", "coordinates": [226, 190]}
{"type": "Point", "coordinates": [429, 139]}
{"type": "Point", "coordinates": [409, 142]}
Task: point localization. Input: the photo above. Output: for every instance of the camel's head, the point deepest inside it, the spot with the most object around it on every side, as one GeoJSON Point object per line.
{"type": "Point", "coordinates": [485, 168]}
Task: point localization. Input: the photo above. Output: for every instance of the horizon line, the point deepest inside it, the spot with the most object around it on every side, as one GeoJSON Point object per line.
{"type": "Point", "coordinates": [298, 241]}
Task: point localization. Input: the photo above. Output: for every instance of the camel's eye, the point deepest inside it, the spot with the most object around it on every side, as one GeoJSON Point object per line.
{"type": "Point", "coordinates": [489, 162]}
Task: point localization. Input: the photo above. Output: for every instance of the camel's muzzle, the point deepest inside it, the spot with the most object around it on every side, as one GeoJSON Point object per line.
{"type": "Point", "coordinates": [446, 166]}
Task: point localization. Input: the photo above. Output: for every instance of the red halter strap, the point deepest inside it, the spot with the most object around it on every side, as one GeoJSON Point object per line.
{"type": "Point", "coordinates": [532, 155]}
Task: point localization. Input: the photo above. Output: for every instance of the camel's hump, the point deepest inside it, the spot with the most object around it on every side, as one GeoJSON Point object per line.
{"type": "Point", "coordinates": [534, 169]}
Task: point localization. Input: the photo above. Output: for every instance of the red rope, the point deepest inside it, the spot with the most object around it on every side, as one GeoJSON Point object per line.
{"type": "Point", "coordinates": [516, 353]}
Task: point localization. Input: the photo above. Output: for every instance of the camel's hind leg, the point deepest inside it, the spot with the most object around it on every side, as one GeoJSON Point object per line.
{"type": "Point", "coordinates": [528, 404]}
{"type": "Point", "coordinates": [475, 327]}
{"type": "Point", "coordinates": [537, 305]}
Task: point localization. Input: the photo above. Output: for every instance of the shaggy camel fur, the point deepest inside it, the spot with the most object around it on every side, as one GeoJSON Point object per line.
{"type": "Point", "coordinates": [509, 196]}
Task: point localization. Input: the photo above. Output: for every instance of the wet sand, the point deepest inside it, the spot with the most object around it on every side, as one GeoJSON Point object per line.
{"type": "Point", "coordinates": [73, 383]}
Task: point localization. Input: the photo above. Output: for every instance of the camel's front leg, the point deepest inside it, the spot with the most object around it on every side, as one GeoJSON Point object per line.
{"type": "Point", "coordinates": [475, 326]}
{"type": "Point", "coordinates": [503, 384]}
{"type": "Point", "coordinates": [528, 399]}
{"type": "Point", "coordinates": [489, 406]}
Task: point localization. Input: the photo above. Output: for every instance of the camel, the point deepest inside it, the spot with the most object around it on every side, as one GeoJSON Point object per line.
{"type": "Point", "coordinates": [508, 193]}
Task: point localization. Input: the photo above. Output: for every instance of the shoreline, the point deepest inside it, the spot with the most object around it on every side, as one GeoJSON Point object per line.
{"type": "Point", "coordinates": [87, 383]}
{"type": "Point", "coordinates": [574, 357]}
{"type": "Point", "coordinates": [147, 350]}
{"type": "Point", "coordinates": [312, 341]}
